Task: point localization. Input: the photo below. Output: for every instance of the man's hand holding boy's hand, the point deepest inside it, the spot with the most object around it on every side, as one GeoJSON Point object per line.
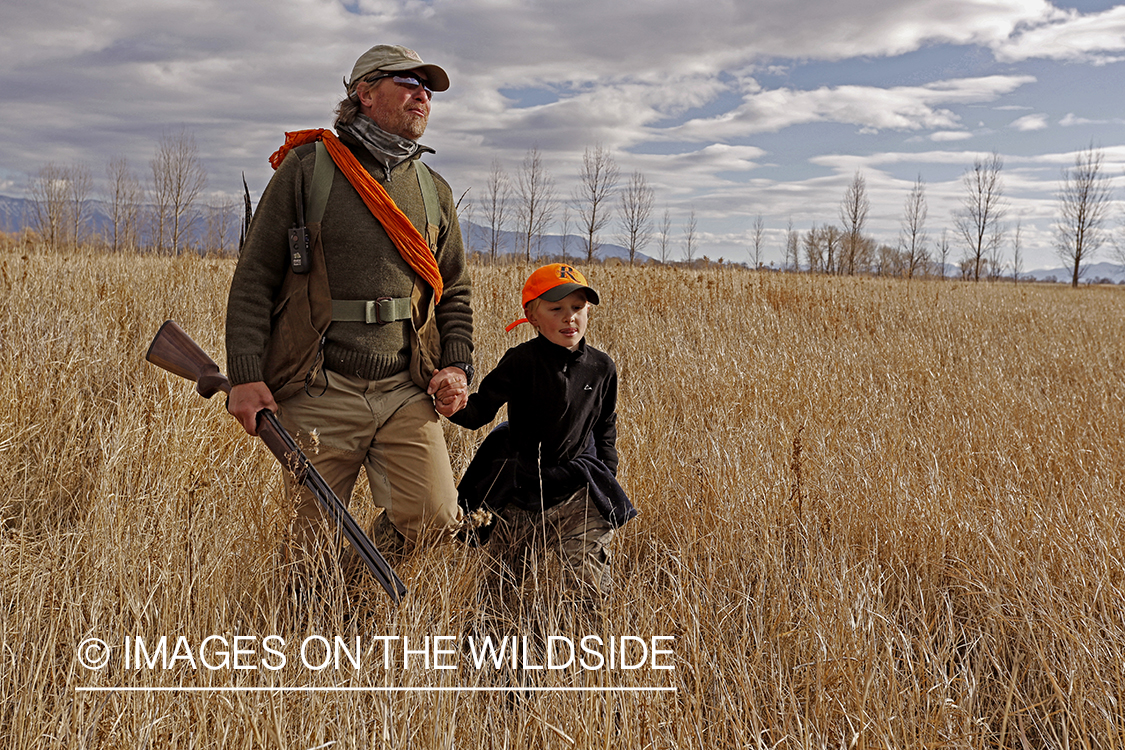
{"type": "Point", "coordinates": [450, 389]}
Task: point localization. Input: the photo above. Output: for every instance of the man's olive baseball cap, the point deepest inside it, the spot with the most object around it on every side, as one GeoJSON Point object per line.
{"type": "Point", "coordinates": [392, 57]}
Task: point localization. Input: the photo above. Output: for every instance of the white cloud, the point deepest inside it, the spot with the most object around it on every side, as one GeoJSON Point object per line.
{"type": "Point", "coordinates": [1072, 120]}
{"type": "Point", "coordinates": [879, 160]}
{"type": "Point", "coordinates": [1096, 38]}
{"type": "Point", "coordinates": [897, 108]}
{"type": "Point", "coordinates": [950, 135]}
{"type": "Point", "coordinates": [582, 37]}
{"type": "Point", "coordinates": [1030, 122]}
{"type": "Point", "coordinates": [696, 170]}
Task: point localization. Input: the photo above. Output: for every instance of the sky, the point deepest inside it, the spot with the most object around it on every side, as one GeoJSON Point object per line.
{"type": "Point", "coordinates": [729, 109]}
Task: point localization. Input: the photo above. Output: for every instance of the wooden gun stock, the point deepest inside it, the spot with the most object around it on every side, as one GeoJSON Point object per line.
{"type": "Point", "coordinates": [173, 350]}
{"type": "Point", "coordinates": [176, 352]}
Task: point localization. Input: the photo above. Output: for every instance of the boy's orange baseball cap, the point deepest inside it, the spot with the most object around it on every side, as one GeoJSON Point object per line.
{"type": "Point", "coordinates": [552, 283]}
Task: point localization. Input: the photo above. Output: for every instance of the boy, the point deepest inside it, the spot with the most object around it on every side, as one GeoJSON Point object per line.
{"type": "Point", "coordinates": [552, 466]}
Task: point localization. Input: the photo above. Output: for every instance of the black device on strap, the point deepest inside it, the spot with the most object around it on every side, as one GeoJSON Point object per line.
{"type": "Point", "coordinates": [299, 257]}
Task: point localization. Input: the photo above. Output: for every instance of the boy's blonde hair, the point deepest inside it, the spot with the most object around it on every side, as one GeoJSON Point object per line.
{"type": "Point", "coordinates": [530, 308]}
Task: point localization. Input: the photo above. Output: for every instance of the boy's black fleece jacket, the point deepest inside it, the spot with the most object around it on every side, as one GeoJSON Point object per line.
{"type": "Point", "coordinates": [561, 433]}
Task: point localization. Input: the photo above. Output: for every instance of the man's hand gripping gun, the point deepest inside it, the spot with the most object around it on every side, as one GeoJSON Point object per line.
{"type": "Point", "coordinates": [174, 351]}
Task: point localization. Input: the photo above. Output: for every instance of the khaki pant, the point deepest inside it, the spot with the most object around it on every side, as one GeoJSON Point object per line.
{"type": "Point", "coordinates": [574, 530]}
{"type": "Point", "coordinates": [387, 427]}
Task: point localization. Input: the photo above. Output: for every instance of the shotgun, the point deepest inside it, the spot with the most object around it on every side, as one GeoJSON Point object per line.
{"type": "Point", "coordinates": [174, 351]}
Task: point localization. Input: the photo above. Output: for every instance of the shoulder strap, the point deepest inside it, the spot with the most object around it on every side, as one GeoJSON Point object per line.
{"type": "Point", "coordinates": [323, 171]}
{"type": "Point", "coordinates": [430, 200]}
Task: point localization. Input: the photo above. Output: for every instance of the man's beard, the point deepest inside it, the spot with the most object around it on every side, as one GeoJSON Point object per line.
{"type": "Point", "coordinates": [404, 124]}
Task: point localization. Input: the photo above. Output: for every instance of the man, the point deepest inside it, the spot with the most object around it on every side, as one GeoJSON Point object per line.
{"type": "Point", "coordinates": [350, 331]}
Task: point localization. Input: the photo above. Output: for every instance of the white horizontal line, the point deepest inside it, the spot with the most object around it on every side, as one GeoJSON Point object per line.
{"type": "Point", "coordinates": [312, 689]}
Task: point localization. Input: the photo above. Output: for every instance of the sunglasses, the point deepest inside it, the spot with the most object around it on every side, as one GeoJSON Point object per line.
{"type": "Point", "coordinates": [409, 80]}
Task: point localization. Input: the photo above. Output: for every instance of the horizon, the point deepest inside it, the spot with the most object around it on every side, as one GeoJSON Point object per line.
{"type": "Point", "coordinates": [611, 250]}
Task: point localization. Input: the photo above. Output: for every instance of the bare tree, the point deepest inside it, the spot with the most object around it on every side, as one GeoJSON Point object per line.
{"type": "Point", "coordinates": [759, 238]}
{"type": "Point", "coordinates": [995, 263]}
{"type": "Point", "coordinates": [834, 245]}
{"type": "Point", "coordinates": [792, 247]}
{"type": "Point", "coordinates": [823, 248]}
{"type": "Point", "coordinates": [48, 188]}
{"type": "Point", "coordinates": [814, 249]}
{"type": "Point", "coordinates": [597, 181]}
{"type": "Point", "coordinates": [157, 213]}
{"type": "Point", "coordinates": [664, 232]}
{"type": "Point", "coordinates": [497, 193]}
{"type": "Point", "coordinates": [1084, 198]}
{"type": "Point", "coordinates": [912, 235]}
{"type": "Point", "coordinates": [865, 251]}
{"type": "Point", "coordinates": [853, 213]}
{"type": "Point", "coordinates": [78, 188]}
{"type": "Point", "coordinates": [1017, 252]}
{"type": "Point", "coordinates": [178, 178]}
{"type": "Point", "coordinates": [221, 218]}
{"type": "Point", "coordinates": [60, 198]}
{"type": "Point", "coordinates": [689, 238]}
{"type": "Point", "coordinates": [943, 252]}
{"type": "Point", "coordinates": [637, 199]}
{"type": "Point", "coordinates": [982, 210]}
{"type": "Point", "coordinates": [124, 196]}
{"type": "Point", "coordinates": [565, 241]}
{"type": "Point", "coordinates": [536, 195]}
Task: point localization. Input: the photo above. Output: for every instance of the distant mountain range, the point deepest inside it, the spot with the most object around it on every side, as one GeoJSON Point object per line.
{"type": "Point", "coordinates": [1093, 273]}
{"type": "Point", "coordinates": [18, 213]}
{"type": "Point", "coordinates": [549, 245]}
{"type": "Point", "coordinates": [15, 214]}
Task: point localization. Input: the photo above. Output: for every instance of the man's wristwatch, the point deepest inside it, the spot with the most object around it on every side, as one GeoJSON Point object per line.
{"type": "Point", "coordinates": [467, 369]}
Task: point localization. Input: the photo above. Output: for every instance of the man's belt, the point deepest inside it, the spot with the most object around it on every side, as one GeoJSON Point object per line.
{"type": "Point", "coordinates": [381, 311]}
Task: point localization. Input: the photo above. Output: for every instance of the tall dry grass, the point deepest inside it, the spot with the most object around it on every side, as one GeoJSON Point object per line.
{"type": "Point", "coordinates": [874, 514]}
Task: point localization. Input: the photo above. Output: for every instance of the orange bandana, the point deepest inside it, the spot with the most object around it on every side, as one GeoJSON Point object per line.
{"type": "Point", "coordinates": [410, 243]}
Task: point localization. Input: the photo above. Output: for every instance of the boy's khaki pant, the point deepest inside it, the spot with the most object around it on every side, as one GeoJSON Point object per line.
{"type": "Point", "coordinates": [573, 529]}
{"type": "Point", "coordinates": [387, 427]}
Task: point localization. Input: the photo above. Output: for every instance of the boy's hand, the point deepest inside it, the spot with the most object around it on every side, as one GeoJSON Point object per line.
{"type": "Point", "coordinates": [450, 389]}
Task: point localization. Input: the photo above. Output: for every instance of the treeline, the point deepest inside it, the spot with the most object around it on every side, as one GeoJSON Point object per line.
{"type": "Point", "coordinates": [167, 213]}
{"type": "Point", "coordinates": [981, 244]}
{"type": "Point", "coordinates": [526, 205]}
{"type": "Point", "coordinates": [844, 249]}
{"type": "Point", "coordinates": [980, 234]}
{"type": "Point", "coordinates": [164, 212]}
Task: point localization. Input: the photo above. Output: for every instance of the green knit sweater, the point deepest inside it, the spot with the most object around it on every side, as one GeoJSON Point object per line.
{"type": "Point", "coordinates": [362, 263]}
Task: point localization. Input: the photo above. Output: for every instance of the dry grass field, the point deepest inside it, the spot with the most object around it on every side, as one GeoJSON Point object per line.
{"type": "Point", "coordinates": [873, 514]}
